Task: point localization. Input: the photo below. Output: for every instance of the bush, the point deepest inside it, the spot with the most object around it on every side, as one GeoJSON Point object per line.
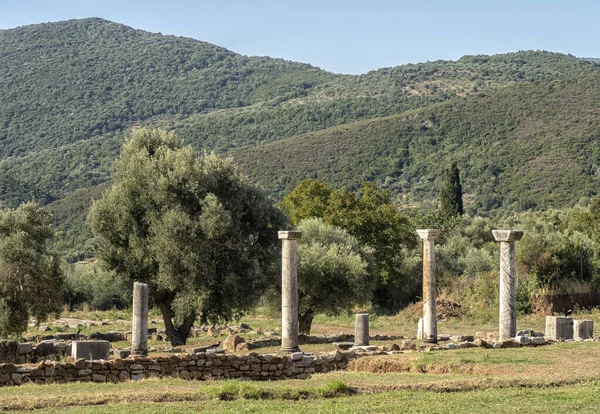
{"type": "Point", "coordinates": [88, 284]}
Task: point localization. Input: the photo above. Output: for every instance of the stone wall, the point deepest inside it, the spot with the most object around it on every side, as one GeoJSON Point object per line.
{"type": "Point", "coordinates": [193, 366]}
{"type": "Point", "coordinates": [20, 353]}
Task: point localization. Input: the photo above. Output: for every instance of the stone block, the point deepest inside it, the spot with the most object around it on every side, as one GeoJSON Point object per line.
{"type": "Point", "coordinates": [121, 353]}
{"type": "Point", "coordinates": [583, 329]}
{"type": "Point", "coordinates": [523, 340]}
{"type": "Point", "coordinates": [25, 348]}
{"type": "Point", "coordinates": [231, 342]}
{"type": "Point", "coordinates": [91, 350]}
{"type": "Point", "coordinates": [559, 328]}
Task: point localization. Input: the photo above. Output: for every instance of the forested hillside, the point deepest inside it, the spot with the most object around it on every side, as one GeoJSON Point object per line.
{"type": "Point", "coordinates": [523, 127]}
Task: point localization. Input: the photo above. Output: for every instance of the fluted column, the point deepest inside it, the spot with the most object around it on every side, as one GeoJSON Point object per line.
{"type": "Point", "coordinates": [289, 292]}
{"type": "Point", "coordinates": [429, 285]}
{"type": "Point", "coordinates": [139, 325]}
{"type": "Point", "coordinates": [508, 281]}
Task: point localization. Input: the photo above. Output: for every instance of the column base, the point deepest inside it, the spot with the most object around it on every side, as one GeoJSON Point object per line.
{"type": "Point", "coordinates": [429, 341]}
{"type": "Point", "coordinates": [289, 350]}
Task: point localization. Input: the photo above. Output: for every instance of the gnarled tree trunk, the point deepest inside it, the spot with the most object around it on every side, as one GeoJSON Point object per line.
{"type": "Point", "coordinates": [177, 335]}
{"type": "Point", "coordinates": [305, 321]}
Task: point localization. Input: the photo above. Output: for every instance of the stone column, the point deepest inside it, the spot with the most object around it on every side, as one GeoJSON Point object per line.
{"type": "Point", "coordinates": [289, 292]}
{"type": "Point", "coordinates": [139, 325]}
{"type": "Point", "coordinates": [361, 329]}
{"type": "Point", "coordinates": [429, 286]}
{"type": "Point", "coordinates": [508, 282]}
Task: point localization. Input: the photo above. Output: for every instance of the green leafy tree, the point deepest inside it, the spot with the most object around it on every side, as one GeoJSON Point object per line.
{"type": "Point", "coordinates": [369, 216]}
{"type": "Point", "coordinates": [30, 274]}
{"type": "Point", "coordinates": [451, 194]}
{"type": "Point", "coordinates": [333, 271]}
{"type": "Point", "coordinates": [308, 199]}
{"type": "Point", "coordinates": [191, 227]}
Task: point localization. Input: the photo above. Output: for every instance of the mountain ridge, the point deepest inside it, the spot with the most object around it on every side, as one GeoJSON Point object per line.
{"type": "Point", "coordinates": [70, 91]}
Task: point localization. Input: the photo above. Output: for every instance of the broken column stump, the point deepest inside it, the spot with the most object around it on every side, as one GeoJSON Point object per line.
{"type": "Point", "coordinates": [361, 329]}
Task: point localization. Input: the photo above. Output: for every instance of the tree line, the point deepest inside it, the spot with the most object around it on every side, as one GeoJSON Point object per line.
{"type": "Point", "coordinates": [205, 240]}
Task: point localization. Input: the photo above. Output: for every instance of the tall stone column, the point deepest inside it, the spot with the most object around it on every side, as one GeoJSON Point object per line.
{"type": "Point", "coordinates": [508, 281]}
{"type": "Point", "coordinates": [289, 292]}
{"type": "Point", "coordinates": [429, 286]}
{"type": "Point", "coordinates": [139, 325]}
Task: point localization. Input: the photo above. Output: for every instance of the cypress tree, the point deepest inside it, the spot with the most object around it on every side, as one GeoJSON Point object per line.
{"type": "Point", "coordinates": [451, 193]}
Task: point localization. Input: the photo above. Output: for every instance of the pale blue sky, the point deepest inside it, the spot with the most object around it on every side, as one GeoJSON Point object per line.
{"type": "Point", "coordinates": [345, 36]}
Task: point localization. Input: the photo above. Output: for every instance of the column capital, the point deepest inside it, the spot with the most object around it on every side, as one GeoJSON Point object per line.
{"type": "Point", "coordinates": [289, 234]}
{"type": "Point", "coordinates": [428, 234]}
{"type": "Point", "coordinates": [507, 235]}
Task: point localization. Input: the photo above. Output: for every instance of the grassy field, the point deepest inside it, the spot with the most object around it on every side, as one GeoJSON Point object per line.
{"type": "Point", "coordinates": [559, 378]}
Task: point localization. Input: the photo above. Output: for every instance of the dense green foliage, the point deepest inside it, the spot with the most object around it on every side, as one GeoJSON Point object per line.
{"type": "Point", "coordinates": [451, 203]}
{"type": "Point", "coordinates": [191, 227]}
{"type": "Point", "coordinates": [333, 272]}
{"type": "Point", "coordinates": [30, 274]}
{"type": "Point", "coordinates": [88, 285]}
{"type": "Point", "coordinates": [370, 216]}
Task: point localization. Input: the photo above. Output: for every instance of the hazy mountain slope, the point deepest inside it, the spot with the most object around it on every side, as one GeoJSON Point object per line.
{"type": "Point", "coordinates": [67, 87]}
{"type": "Point", "coordinates": [521, 146]}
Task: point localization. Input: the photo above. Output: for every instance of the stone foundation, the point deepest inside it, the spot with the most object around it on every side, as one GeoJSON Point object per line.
{"type": "Point", "coordinates": [192, 366]}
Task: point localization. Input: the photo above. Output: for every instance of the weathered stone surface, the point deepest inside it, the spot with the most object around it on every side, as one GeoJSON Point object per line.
{"type": "Point", "coordinates": [25, 348]}
{"type": "Point", "coordinates": [429, 285]}
{"type": "Point", "coordinates": [361, 329]}
{"type": "Point", "coordinates": [462, 338]}
{"type": "Point", "coordinates": [482, 343]}
{"type": "Point", "coordinates": [231, 342]}
{"type": "Point", "coordinates": [509, 344]}
{"type": "Point", "coordinates": [139, 326]}
{"type": "Point", "coordinates": [583, 329]}
{"type": "Point", "coordinates": [289, 292]}
{"type": "Point", "coordinates": [121, 353]}
{"type": "Point", "coordinates": [523, 340]}
{"type": "Point", "coordinates": [242, 347]}
{"type": "Point", "coordinates": [559, 328]}
{"type": "Point", "coordinates": [451, 345]}
{"type": "Point", "coordinates": [407, 344]}
{"type": "Point", "coordinates": [44, 349]}
{"type": "Point", "coordinates": [538, 340]}
{"type": "Point", "coordinates": [91, 350]}
{"type": "Point", "coordinates": [508, 275]}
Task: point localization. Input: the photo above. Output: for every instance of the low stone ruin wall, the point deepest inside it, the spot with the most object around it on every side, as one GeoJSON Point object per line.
{"type": "Point", "coordinates": [192, 366]}
{"type": "Point", "coordinates": [21, 353]}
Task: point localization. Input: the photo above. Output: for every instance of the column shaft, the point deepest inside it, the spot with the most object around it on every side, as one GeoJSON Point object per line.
{"type": "Point", "coordinates": [508, 282]}
{"type": "Point", "coordinates": [289, 292]}
{"type": "Point", "coordinates": [139, 325]}
{"type": "Point", "coordinates": [429, 333]}
{"type": "Point", "coordinates": [429, 292]}
{"type": "Point", "coordinates": [508, 306]}
{"type": "Point", "coordinates": [361, 329]}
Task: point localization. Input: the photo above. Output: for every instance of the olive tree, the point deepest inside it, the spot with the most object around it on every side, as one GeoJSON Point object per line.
{"type": "Point", "coordinates": [333, 271]}
{"type": "Point", "coordinates": [30, 274]}
{"type": "Point", "coordinates": [190, 226]}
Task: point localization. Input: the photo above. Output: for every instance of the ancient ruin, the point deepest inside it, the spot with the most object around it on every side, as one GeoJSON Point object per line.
{"type": "Point", "coordinates": [429, 333]}
{"type": "Point", "coordinates": [508, 275]}
{"type": "Point", "coordinates": [139, 324]}
{"type": "Point", "coordinates": [289, 292]}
